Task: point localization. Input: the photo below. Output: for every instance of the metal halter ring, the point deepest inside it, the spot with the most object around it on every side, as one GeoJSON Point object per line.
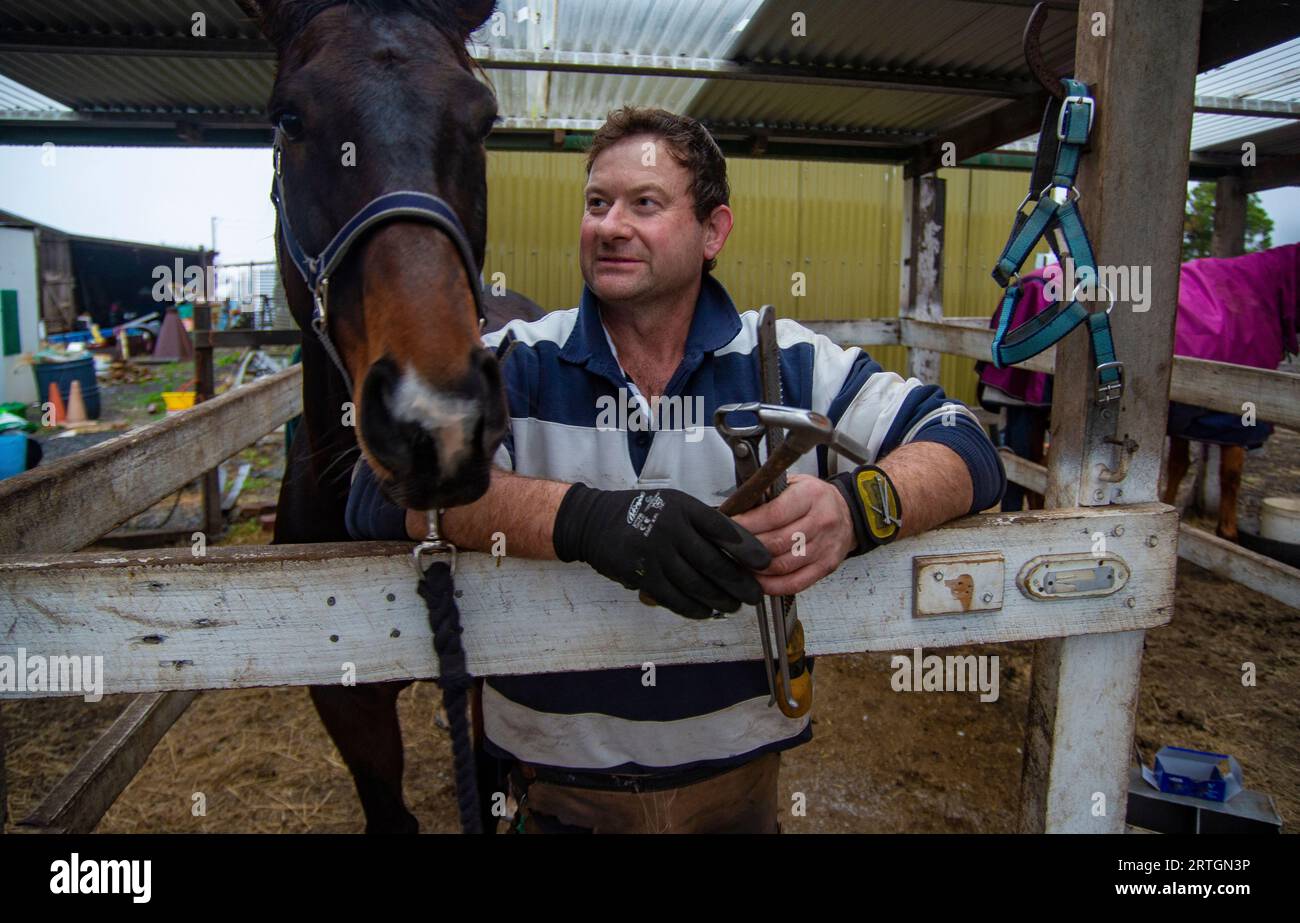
{"type": "Point", "coordinates": [1052, 186]}
{"type": "Point", "coordinates": [1074, 295]}
{"type": "Point", "coordinates": [433, 544]}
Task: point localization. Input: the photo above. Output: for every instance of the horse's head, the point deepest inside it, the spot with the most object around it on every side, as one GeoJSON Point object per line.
{"type": "Point", "coordinates": [373, 97]}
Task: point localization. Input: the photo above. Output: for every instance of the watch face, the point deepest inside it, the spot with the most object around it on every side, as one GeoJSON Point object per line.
{"type": "Point", "coordinates": [880, 503]}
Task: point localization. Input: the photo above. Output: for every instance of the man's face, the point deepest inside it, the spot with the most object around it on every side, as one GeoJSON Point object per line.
{"type": "Point", "coordinates": [640, 242]}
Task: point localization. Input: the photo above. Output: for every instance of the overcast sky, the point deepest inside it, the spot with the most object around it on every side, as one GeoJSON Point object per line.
{"type": "Point", "coordinates": [170, 195]}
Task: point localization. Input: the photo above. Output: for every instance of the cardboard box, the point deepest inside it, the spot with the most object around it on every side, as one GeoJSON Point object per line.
{"type": "Point", "coordinates": [1195, 774]}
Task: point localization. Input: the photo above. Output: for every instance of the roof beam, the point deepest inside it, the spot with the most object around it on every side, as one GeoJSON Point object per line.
{"type": "Point", "coordinates": [495, 58]}
{"type": "Point", "coordinates": [1272, 173]}
{"type": "Point", "coordinates": [222, 130]}
{"type": "Point", "coordinates": [105, 43]}
{"type": "Point", "coordinates": [977, 136]}
{"type": "Point", "coordinates": [582, 62]}
{"type": "Point", "coordinates": [1233, 105]}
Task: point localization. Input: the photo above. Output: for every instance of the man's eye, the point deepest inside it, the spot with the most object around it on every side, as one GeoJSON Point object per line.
{"type": "Point", "coordinates": [595, 202]}
{"type": "Point", "coordinates": [646, 199]}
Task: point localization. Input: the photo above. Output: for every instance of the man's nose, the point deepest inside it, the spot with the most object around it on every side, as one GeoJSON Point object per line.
{"type": "Point", "coordinates": [614, 224]}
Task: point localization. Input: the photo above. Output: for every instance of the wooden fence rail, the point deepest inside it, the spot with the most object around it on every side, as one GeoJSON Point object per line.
{"type": "Point", "coordinates": [1200, 382]}
{"type": "Point", "coordinates": [69, 504]}
{"type": "Point", "coordinates": [280, 615]}
{"type": "Point", "coordinates": [1219, 556]}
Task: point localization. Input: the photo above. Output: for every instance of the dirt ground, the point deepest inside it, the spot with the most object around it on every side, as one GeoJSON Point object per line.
{"type": "Point", "coordinates": [880, 761]}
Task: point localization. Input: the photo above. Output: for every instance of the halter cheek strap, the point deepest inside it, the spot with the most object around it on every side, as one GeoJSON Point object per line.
{"type": "Point", "coordinates": [316, 271]}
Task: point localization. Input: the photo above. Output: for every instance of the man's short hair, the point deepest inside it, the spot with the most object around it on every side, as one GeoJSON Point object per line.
{"type": "Point", "coordinates": [687, 140]}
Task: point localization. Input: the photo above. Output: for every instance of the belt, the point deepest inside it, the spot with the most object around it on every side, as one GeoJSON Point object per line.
{"type": "Point", "coordinates": [525, 774]}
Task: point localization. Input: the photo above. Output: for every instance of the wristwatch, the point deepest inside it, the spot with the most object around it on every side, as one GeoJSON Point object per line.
{"type": "Point", "coordinates": [874, 505]}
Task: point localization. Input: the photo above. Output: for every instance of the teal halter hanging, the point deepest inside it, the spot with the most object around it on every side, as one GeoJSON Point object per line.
{"type": "Point", "coordinates": [1066, 125]}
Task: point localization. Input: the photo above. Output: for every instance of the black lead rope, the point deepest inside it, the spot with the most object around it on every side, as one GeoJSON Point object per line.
{"type": "Point", "coordinates": [438, 590]}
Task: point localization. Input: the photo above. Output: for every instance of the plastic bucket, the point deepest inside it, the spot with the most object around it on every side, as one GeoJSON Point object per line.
{"type": "Point", "coordinates": [13, 454]}
{"type": "Point", "coordinates": [1279, 519]}
{"type": "Point", "coordinates": [178, 400]}
{"type": "Point", "coordinates": [63, 374]}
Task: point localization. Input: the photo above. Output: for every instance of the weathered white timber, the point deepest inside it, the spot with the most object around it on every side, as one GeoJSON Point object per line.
{"type": "Point", "coordinates": [870, 331]}
{"type": "Point", "coordinates": [86, 793]}
{"type": "Point", "coordinates": [921, 279]}
{"type": "Point", "coordinates": [1133, 184]}
{"type": "Point", "coordinates": [262, 616]}
{"type": "Point", "coordinates": [1204, 549]}
{"type": "Point", "coordinates": [1200, 382]}
{"type": "Point", "coordinates": [71, 502]}
{"type": "Point", "coordinates": [1241, 565]}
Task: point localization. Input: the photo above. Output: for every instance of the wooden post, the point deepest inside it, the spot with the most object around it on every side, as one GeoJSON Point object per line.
{"type": "Point", "coordinates": [1229, 217]}
{"type": "Point", "coordinates": [921, 279]}
{"type": "Point", "coordinates": [1140, 61]}
{"type": "Point", "coordinates": [205, 387]}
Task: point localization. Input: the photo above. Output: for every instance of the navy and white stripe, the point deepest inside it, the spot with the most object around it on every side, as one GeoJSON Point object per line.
{"type": "Point", "coordinates": [556, 378]}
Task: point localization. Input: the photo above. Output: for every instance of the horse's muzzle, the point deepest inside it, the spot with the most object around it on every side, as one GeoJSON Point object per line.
{"type": "Point", "coordinates": [436, 443]}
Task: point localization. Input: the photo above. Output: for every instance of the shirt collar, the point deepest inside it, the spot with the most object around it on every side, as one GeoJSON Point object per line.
{"type": "Point", "coordinates": [714, 324]}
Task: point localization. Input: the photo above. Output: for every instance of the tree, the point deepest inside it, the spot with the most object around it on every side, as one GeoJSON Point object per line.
{"type": "Point", "coordinates": [1198, 223]}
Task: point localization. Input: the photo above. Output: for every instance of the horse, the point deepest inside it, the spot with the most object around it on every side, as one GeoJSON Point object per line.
{"type": "Point", "coordinates": [372, 98]}
{"type": "Point", "coordinates": [1241, 310]}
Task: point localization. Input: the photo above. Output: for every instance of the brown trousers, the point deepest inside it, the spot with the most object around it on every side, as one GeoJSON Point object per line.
{"type": "Point", "coordinates": [741, 800]}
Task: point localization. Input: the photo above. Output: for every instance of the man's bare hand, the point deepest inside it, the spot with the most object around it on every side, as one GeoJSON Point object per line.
{"type": "Point", "coordinates": [808, 531]}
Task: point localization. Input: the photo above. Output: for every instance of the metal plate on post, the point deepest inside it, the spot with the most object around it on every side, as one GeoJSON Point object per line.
{"type": "Point", "coordinates": [1072, 576]}
{"type": "Point", "coordinates": [954, 584]}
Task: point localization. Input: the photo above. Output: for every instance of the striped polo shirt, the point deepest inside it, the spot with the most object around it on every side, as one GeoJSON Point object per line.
{"type": "Point", "coordinates": [574, 417]}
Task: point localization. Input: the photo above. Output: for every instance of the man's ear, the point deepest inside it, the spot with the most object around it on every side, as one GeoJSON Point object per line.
{"type": "Point", "coordinates": [717, 227]}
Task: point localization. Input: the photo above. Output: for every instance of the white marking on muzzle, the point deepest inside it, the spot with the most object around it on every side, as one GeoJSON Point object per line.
{"type": "Point", "coordinates": [450, 419]}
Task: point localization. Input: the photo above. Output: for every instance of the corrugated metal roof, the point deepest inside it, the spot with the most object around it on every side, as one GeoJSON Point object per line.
{"type": "Point", "coordinates": [127, 17]}
{"type": "Point", "coordinates": [916, 35]}
{"type": "Point", "coordinates": [1273, 74]}
{"type": "Point", "coordinates": [16, 97]}
{"type": "Point", "coordinates": [112, 83]}
{"type": "Point", "coordinates": [144, 62]}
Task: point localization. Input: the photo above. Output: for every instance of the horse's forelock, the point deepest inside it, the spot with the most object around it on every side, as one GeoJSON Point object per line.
{"type": "Point", "coordinates": [283, 21]}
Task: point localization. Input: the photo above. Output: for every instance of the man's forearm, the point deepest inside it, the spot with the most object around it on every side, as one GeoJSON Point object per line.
{"type": "Point", "coordinates": [933, 484]}
{"type": "Point", "coordinates": [520, 508]}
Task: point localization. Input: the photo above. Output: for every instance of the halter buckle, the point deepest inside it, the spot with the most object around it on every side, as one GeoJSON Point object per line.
{"type": "Point", "coordinates": [1065, 108]}
{"type": "Point", "coordinates": [320, 294]}
{"type": "Point", "coordinates": [1115, 389]}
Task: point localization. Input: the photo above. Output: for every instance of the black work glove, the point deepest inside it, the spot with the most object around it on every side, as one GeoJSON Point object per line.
{"type": "Point", "coordinates": [685, 554]}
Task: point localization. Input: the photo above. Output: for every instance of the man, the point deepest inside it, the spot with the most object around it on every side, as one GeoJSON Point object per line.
{"type": "Point", "coordinates": [698, 750]}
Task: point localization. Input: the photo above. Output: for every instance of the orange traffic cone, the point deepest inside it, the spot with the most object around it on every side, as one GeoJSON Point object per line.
{"type": "Point", "coordinates": [56, 400]}
{"type": "Point", "coordinates": [76, 405]}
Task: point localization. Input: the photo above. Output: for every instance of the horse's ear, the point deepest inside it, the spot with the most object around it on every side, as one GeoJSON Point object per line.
{"type": "Point", "coordinates": [259, 11]}
{"type": "Point", "coordinates": [473, 13]}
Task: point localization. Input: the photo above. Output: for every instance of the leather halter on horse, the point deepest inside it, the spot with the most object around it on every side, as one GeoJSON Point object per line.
{"type": "Point", "coordinates": [317, 270]}
{"type": "Point", "coordinates": [436, 585]}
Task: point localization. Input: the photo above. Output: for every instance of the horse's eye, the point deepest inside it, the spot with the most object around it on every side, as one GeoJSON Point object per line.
{"type": "Point", "coordinates": [291, 124]}
{"type": "Point", "coordinates": [488, 124]}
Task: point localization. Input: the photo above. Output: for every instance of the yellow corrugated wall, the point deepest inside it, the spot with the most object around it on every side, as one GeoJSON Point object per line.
{"type": "Point", "coordinates": [839, 224]}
